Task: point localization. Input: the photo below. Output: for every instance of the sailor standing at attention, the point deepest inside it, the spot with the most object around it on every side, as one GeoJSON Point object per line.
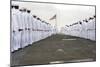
{"type": "Point", "coordinates": [84, 27]}
{"type": "Point", "coordinates": [20, 24]}
{"type": "Point", "coordinates": [34, 28]}
{"type": "Point", "coordinates": [30, 24]}
{"type": "Point", "coordinates": [26, 23]}
{"type": "Point", "coordinates": [12, 30]}
{"type": "Point", "coordinates": [15, 28]}
{"type": "Point", "coordinates": [91, 29]}
{"type": "Point", "coordinates": [38, 29]}
{"type": "Point", "coordinates": [23, 41]}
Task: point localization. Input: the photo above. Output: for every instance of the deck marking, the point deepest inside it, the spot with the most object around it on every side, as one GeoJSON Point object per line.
{"type": "Point", "coordinates": [68, 39]}
{"type": "Point", "coordinates": [81, 60]}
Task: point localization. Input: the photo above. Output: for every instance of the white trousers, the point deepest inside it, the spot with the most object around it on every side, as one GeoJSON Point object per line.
{"type": "Point", "coordinates": [91, 35]}
{"type": "Point", "coordinates": [16, 40]}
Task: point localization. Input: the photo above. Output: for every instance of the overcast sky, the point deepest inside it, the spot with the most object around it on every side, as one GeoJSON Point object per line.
{"type": "Point", "coordinates": [66, 14]}
{"type": "Point", "coordinates": [69, 14]}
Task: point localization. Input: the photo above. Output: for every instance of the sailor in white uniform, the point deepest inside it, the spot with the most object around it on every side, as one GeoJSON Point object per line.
{"type": "Point", "coordinates": [94, 29]}
{"type": "Point", "coordinates": [79, 29]}
{"type": "Point", "coordinates": [26, 32]}
{"type": "Point", "coordinates": [50, 29]}
{"type": "Point", "coordinates": [30, 24]}
{"type": "Point", "coordinates": [38, 29]}
{"type": "Point", "coordinates": [75, 29]}
{"type": "Point", "coordinates": [34, 28]}
{"type": "Point", "coordinates": [91, 29]}
{"type": "Point", "coordinates": [15, 28]}
{"type": "Point", "coordinates": [66, 28]}
{"type": "Point", "coordinates": [20, 26]}
{"type": "Point", "coordinates": [42, 32]}
{"type": "Point", "coordinates": [23, 40]}
{"type": "Point", "coordinates": [84, 29]}
{"type": "Point", "coordinates": [46, 30]}
{"type": "Point", "coordinates": [70, 29]}
{"type": "Point", "coordinates": [43, 28]}
{"type": "Point", "coordinates": [12, 30]}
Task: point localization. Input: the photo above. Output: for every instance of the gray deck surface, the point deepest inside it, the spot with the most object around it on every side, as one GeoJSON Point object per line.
{"type": "Point", "coordinates": [55, 49]}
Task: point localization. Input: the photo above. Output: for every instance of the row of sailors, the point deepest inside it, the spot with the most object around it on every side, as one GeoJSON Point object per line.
{"type": "Point", "coordinates": [84, 29]}
{"type": "Point", "coordinates": [27, 28]}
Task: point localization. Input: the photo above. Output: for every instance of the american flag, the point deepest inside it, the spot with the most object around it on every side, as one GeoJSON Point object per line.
{"type": "Point", "coordinates": [54, 17]}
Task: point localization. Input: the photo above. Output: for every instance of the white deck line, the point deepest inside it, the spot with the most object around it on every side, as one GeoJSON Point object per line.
{"type": "Point", "coordinates": [81, 60]}
{"type": "Point", "coordinates": [68, 39]}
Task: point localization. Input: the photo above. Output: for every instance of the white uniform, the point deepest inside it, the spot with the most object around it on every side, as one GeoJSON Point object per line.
{"type": "Point", "coordinates": [72, 30]}
{"type": "Point", "coordinates": [40, 30]}
{"type": "Point", "coordinates": [84, 30]}
{"type": "Point", "coordinates": [75, 30]}
{"type": "Point", "coordinates": [91, 29]}
{"type": "Point", "coordinates": [37, 30]}
{"type": "Point", "coordinates": [49, 29]}
{"type": "Point", "coordinates": [44, 30]}
{"type": "Point", "coordinates": [34, 32]}
{"type": "Point", "coordinates": [45, 33]}
{"type": "Point", "coordinates": [67, 30]}
{"type": "Point", "coordinates": [26, 29]}
{"type": "Point", "coordinates": [15, 35]}
{"type": "Point", "coordinates": [30, 21]}
{"type": "Point", "coordinates": [23, 43]}
{"type": "Point", "coordinates": [20, 27]}
{"type": "Point", "coordinates": [79, 30]}
{"type": "Point", "coordinates": [12, 30]}
{"type": "Point", "coordinates": [94, 30]}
